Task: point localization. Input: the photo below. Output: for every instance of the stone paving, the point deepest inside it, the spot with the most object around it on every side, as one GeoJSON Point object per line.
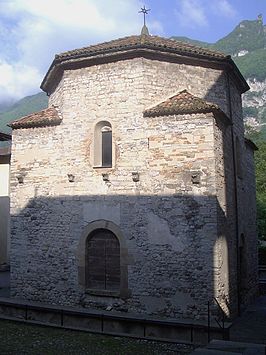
{"type": "Point", "coordinates": [251, 326]}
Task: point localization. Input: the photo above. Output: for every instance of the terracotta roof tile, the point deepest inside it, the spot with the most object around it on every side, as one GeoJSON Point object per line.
{"type": "Point", "coordinates": [48, 117]}
{"type": "Point", "coordinates": [134, 45]}
{"type": "Point", "coordinates": [145, 41]}
{"type": "Point", "coordinates": [182, 103]}
{"type": "Point", "coordinates": [5, 136]}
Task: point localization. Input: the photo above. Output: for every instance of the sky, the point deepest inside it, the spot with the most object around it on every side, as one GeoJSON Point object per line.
{"type": "Point", "coordinates": [33, 31]}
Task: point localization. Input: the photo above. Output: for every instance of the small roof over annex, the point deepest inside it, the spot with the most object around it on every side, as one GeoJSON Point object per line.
{"type": "Point", "coordinates": [47, 117]}
{"type": "Point", "coordinates": [181, 104]}
{"type": "Point", "coordinates": [144, 45]}
{"type": "Point", "coordinates": [5, 136]}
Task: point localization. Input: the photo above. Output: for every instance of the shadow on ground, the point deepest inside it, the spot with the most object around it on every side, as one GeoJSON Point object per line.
{"type": "Point", "coordinates": [251, 326]}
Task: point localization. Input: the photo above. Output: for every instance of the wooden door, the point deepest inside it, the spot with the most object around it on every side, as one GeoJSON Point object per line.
{"type": "Point", "coordinates": [103, 261]}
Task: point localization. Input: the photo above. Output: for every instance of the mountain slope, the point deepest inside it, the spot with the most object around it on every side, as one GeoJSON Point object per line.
{"type": "Point", "coordinates": [247, 46]}
{"type": "Point", "coordinates": [21, 108]}
{"type": "Point", "coordinates": [248, 35]}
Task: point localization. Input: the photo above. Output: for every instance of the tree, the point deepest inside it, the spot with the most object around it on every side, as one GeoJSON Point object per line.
{"type": "Point", "coordinates": [260, 163]}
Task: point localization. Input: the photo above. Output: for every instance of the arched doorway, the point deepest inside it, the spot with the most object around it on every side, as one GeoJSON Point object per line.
{"type": "Point", "coordinates": [102, 261]}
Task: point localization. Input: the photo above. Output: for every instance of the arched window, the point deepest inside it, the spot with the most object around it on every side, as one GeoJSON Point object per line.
{"type": "Point", "coordinates": [103, 144]}
{"type": "Point", "coordinates": [102, 261]}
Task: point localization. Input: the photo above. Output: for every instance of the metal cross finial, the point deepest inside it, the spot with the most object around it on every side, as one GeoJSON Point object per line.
{"type": "Point", "coordinates": [145, 12]}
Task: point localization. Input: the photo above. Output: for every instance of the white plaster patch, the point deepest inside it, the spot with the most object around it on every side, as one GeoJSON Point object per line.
{"type": "Point", "coordinates": [92, 211]}
{"type": "Point", "coordinates": [159, 233]}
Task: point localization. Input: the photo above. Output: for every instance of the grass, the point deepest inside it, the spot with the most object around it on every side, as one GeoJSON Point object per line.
{"type": "Point", "coordinates": [20, 338]}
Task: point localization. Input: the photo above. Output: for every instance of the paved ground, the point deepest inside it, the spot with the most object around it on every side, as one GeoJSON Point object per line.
{"type": "Point", "coordinates": [251, 326]}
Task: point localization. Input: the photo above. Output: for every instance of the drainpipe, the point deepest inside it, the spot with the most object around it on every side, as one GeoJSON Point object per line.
{"type": "Point", "coordinates": [235, 193]}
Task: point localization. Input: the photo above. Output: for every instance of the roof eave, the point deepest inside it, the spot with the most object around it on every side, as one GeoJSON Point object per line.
{"type": "Point", "coordinates": [217, 112]}
{"type": "Point", "coordinates": [251, 144]}
{"type": "Point", "coordinates": [244, 85]}
{"type": "Point", "coordinates": [5, 136]}
{"type": "Point", "coordinates": [58, 65]}
{"type": "Point", "coordinates": [32, 125]}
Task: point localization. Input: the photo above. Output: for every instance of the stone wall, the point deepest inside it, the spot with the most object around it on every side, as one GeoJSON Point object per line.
{"type": "Point", "coordinates": [170, 221]}
{"type": "Point", "coordinates": [248, 234]}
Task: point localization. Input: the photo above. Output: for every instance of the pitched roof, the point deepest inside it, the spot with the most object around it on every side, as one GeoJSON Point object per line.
{"type": "Point", "coordinates": [47, 117]}
{"type": "Point", "coordinates": [182, 103]}
{"type": "Point", "coordinates": [4, 136]}
{"type": "Point", "coordinates": [145, 41]}
{"type": "Point", "coordinates": [134, 46]}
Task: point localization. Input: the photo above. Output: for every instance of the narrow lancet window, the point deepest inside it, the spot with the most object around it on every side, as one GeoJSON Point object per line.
{"type": "Point", "coordinates": [103, 145]}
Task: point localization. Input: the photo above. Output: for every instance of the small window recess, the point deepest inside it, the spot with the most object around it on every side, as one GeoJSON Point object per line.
{"type": "Point", "coordinates": [103, 145]}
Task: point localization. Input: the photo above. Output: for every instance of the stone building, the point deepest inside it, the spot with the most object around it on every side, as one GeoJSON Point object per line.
{"type": "Point", "coordinates": [135, 189]}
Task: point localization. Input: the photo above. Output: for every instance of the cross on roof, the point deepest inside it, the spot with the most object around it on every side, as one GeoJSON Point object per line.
{"type": "Point", "coordinates": [145, 12]}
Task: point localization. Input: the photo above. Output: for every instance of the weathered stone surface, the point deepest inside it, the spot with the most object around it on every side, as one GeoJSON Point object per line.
{"type": "Point", "coordinates": [180, 234]}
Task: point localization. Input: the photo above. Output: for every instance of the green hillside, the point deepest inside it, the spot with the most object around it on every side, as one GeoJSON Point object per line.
{"type": "Point", "coordinates": [23, 107]}
{"type": "Point", "coordinates": [192, 41]}
{"type": "Point", "coordinates": [252, 65]}
{"type": "Point", "coordinates": [248, 36]}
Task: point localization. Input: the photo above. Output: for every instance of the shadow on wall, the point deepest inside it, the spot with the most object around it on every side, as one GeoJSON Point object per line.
{"type": "Point", "coordinates": [4, 230]}
{"type": "Point", "coordinates": [235, 252]}
{"type": "Point", "coordinates": [167, 245]}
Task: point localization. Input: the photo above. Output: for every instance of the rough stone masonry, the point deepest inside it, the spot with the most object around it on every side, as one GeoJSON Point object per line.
{"type": "Point", "coordinates": [178, 196]}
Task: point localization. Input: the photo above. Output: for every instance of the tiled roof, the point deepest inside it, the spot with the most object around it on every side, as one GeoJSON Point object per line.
{"type": "Point", "coordinates": [4, 136]}
{"type": "Point", "coordinates": [182, 103]}
{"type": "Point", "coordinates": [47, 117]}
{"type": "Point", "coordinates": [144, 41]}
{"type": "Point", "coordinates": [136, 46]}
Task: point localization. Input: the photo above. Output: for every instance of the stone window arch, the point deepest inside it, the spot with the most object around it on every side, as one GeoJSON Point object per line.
{"type": "Point", "coordinates": [117, 284]}
{"type": "Point", "coordinates": [103, 144]}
